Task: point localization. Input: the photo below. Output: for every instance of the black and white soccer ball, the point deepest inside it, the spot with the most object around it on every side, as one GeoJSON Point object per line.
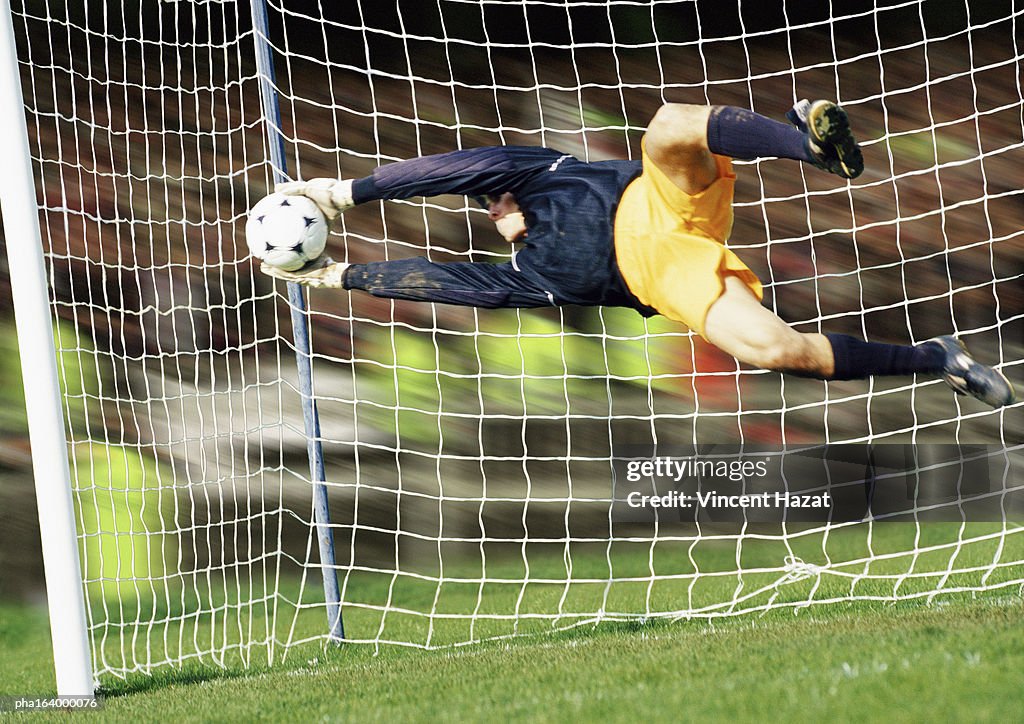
{"type": "Point", "coordinates": [286, 231]}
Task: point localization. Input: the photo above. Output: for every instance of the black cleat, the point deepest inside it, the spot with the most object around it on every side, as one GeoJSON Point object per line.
{"type": "Point", "coordinates": [967, 376]}
{"type": "Point", "coordinates": [829, 138]}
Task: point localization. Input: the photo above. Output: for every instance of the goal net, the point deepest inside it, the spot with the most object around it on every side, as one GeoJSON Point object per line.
{"type": "Point", "coordinates": [478, 463]}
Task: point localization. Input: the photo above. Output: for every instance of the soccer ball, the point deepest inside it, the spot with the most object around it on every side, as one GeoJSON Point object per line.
{"type": "Point", "coordinates": [285, 231]}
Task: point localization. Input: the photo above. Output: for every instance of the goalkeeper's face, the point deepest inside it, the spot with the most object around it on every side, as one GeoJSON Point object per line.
{"type": "Point", "coordinates": [504, 212]}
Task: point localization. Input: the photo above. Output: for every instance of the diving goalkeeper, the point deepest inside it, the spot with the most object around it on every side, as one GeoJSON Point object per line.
{"type": "Point", "coordinates": [649, 235]}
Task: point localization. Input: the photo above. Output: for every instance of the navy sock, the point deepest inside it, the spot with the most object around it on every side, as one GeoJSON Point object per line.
{"type": "Point", "coordinates": [743, 134]}
{"type": "Point", "coordinates": [856, 359]}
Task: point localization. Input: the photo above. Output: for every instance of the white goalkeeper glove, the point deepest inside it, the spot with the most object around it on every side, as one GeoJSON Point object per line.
{"type": "Point", "coordinates": [322, 273]}
{"type": "Point", "coordinates": [333, 196]}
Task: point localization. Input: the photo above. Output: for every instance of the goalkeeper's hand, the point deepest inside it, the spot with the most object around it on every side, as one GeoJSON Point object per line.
{"type": "Point", "coordinates": [321, 273]}
{"type": "Point", "coordinates": [331, 195]}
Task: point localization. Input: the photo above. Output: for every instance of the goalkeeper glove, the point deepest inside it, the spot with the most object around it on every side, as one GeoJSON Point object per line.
{"type": "Point", "coordinates": [332, 196]}
{"type": "Point", "coordinates": [321, 273]}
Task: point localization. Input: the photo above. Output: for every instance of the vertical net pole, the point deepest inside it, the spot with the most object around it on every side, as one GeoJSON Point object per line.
{"type": "Point", "coordinates": [300, 331]}
{"type": "Point", "coordinates": [57, 529]}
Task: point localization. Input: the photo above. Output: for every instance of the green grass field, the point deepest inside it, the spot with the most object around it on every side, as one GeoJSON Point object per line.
{"type": "Point", "coordinates": [958, 658]}
{"type": "Point", "coordinates": [863, 662]}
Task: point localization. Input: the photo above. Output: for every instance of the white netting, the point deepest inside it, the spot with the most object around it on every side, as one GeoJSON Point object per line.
{"type": "Point", "coordinates": [469, 453]}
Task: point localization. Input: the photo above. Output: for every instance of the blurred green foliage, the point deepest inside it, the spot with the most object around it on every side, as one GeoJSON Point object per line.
{"type": "Point", "coordinates": [426, 386]}
{"type": "Point", "coordinates": [123, 543]}
{"type": "Point", "coordinates": [78, 382]}
{"type": "Point", "coordinates": [125, 546]}
{"type": "Point", "coordinates": [12, 395]}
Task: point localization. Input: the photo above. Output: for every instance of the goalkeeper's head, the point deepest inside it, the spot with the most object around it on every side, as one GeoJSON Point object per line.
{"type": "Point", "coordinates": [503, 210]}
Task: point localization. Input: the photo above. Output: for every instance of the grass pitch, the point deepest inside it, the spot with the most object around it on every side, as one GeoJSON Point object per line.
{"type": "Point", "coordinates": [856, 662]}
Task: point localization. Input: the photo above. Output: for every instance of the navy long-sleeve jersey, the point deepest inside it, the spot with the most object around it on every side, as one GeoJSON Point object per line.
{"type": "Point", "coordinates": [569, 207]}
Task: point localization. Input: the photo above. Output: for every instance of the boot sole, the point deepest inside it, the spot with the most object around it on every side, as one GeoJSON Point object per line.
{"type": "Point", "coordinates": [968, 393]}
{"type": "Point", "coordinates": [830, 126]}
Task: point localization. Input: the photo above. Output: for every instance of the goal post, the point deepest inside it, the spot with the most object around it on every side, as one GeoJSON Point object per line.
{"type": "Point", "coordinates": [477, 469]}
{"type": "Point", "coordinates": [300, 331]}
{"type": "Point", "coordinates": [45, 411]}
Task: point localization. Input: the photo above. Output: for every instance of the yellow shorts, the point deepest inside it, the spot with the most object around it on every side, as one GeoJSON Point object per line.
{"type": "Point", "coordinates": [670, 245]}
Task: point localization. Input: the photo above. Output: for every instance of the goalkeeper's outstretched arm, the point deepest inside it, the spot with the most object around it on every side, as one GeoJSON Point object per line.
{"type": "Point", "coordinates": [478, 172]}
{"type": "Point", "coordinates": [489, 172]}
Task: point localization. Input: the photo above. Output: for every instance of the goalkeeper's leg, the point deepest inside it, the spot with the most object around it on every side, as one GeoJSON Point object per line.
{"type": "Point", "coordinates": [681, 139]}
{"type": "Point", "coordinates": [739, 325]}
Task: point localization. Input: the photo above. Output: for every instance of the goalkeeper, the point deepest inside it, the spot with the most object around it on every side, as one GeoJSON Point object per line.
{"type": "Point", "coordinates": [649, 235]}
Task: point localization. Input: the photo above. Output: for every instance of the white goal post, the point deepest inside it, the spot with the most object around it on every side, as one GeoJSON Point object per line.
{"type": "Point", "coordinates": [73, 667]}
{"type": "Point", "coordinates": [481, 466]}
